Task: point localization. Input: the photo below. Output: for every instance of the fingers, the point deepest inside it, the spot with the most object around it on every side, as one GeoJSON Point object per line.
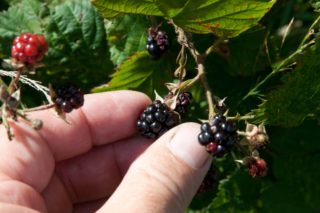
{"type": "Point", "coordinates": [5, 207]}
{"type": "Point", "coordinates": [94, 175]}
{"type": "Point", "coordinates": [169, 173]}
{"type": "Point", "coordinates": [104, 118]}
{"type": "Point", "coordinates": [19, 194]}
{"type": "Point", "coordinates": [30, 157]}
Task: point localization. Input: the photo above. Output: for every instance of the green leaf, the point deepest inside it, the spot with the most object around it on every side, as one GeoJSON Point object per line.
{"type": "Point", "coordinates": [78, 47]}
{"type": "Point", "coordinates": [78, 50]}
{"type": "Point", "coordinates": [112, 8]}
{"type": "Point", "coordinates": [139, 72]}
{"type": "Point", "coordinates": [23, 17]}
{"type": "Point", "coordinates": [298, 97]}
{"type": "Point", "coordinates": [296, 188]}
{"type": "Point", "coordinates": [221, 17]}
{"type": "Point", "coordinates": [238, 193]}
{"type": "Point", "coordinates": [126, 35]}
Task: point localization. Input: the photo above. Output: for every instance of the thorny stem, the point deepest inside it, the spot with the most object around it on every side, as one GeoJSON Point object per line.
{"type": "Point", "coordinates": [242, 118]}
{"type": "Point", "coordinates": [278, 68]}
{"type": "Point", "coordinates": [43, 107]}
{"type": "Point", "coordinates": [303, 45]}
{"type": "Point", "coordinates": [14, 82]}
{"type": "Point", "coordinates": [214, 46]}
{"type": "Point", "coordinates": [185, 40]}
{"type": "Point", "coordinates": [310, 32]}
{"type": "Point", "coordinates": [23, 79]}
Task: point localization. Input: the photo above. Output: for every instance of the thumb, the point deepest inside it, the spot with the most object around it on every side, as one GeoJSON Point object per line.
{"type": "Point", "coordinates": [165, 177]}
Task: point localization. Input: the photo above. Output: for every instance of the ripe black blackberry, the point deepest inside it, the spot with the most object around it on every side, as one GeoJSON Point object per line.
{"type": "Point", "coordinates": [157, 43]}
{"type": "Point", "coordinates": [156, 119]}
{"type": "Point", "coordinates": [68, 97]}
{"type": "Point", "coordinates": [183, 102]}
{"type": "Point", "coordinates": [219, 136]}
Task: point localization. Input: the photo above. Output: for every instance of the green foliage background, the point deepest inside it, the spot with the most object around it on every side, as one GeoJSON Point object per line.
{"type": "Point", "coordinates": [101, 47]}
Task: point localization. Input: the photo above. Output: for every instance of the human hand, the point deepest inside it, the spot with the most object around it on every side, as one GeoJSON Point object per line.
{"type": "Point", "coordinates": [99, 162]}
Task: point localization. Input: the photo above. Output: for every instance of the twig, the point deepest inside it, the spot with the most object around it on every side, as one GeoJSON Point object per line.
{"type": "Point", "coordinates": [185, 40]}
{"type": "Point", "coordinates": [310, 32]}
{"type": "Point", "coordinates": [43, 107]}
{"type": "Point", "coordinates": [32, 83]}
{"type": "Point", "coordinates": [278, 68]}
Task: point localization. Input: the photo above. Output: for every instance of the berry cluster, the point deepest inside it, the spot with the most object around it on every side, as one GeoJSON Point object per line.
{"type": "Point", "coordinates": [68, 97]}
{"type": "Point", "coordinates": [157, 43]}
{"type": "Point", "coordinates": [29, 48]}
{"type": "Point", "coordinates": [218, 136]}
{"type": "Point", "coordinates": [183, 102]}
{"type": "Point", "coordinates": [156, 119]}
{"type": "Point", "coordinates": [257, 167]}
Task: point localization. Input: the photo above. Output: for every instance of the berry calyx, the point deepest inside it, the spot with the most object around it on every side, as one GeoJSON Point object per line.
{"type": "Point", "coordinates": [218, 136]}
{"type": "Point", "coordinates": [29, 48]}
{"type": "Point", "coordinates": [68, 97]}
{"type": "Point", "coordinates": [156, 119]}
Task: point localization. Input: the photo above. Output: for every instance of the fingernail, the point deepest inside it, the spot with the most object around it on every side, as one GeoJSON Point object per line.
{"type": "Point", "coordinates": [185, 145]}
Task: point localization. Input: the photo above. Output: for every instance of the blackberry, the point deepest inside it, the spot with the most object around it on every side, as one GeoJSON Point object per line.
{"type": "Point", "coordinates": [183, 102]}
{"type": "Point", "coordinates": [257, 167]}
{"type": "Point", "coordinates": [157, 43]}
{"type": "Point", "coordinates": [156, 119]}
{"type": "Point", "coordinates": [29, 48]}
{"type": "Point", "coordinates": [219, 136]}
{"type": "Point", "coordinates": [68, 97]}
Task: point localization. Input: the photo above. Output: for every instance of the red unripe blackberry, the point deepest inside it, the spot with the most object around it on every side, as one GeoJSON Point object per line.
{"type": "Point", "coordinates": [257, 168]}
{"type": "Point", "coordinates": [183, 102]}
{"type": "Point", "coordinates": [68, 97]}
{"type": "Point", "coordinates": [218, 136]}
{"type": "Point", "coordinates": [29, 48]}
{"type": "Point", "coordinates": [156, 119]}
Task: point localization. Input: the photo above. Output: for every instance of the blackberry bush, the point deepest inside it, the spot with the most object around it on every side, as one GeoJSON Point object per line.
{"type": "Point", "coordinates": [218, 136]}
{"type": "Point", "coordinates": [29, 48]}
{"type": "Point", "coordinates": [156, 119]}
{"type": "Point", "coordinates": [68, 97]}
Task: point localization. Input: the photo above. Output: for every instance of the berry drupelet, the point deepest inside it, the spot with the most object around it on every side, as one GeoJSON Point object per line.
{"type": "Point", "coordinates": [157, 43]}
{"type": "Point", "coordinates": [68, 97]}
{"type": "Point", "coordinates": [219, 136]}
{"type": "Point", "coordinates": [183, 102]}
{"type": "Point", "coordinates": [29, 48]}
{"type": "Point", "coordinates": [156, 119]}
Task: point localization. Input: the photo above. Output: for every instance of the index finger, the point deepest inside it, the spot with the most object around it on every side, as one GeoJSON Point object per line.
{"type": "Point", "coordinates": [104, 118]}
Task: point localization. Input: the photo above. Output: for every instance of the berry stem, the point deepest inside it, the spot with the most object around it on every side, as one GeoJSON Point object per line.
{"type": "Point", "coordinates": [25, 80]}
{"type": "Point", "coordinates": [310, 32]}
{"type": "Point", "coordinates": [184, 39]}
{"type": "Point", "coordinates": [43, 107]}
{"type": "Point", "coordinates": [213, 47]}
{"type": "Point", "coordinates": [14, 83]}
{"type": "Point", "coordinates": [242, 118]}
